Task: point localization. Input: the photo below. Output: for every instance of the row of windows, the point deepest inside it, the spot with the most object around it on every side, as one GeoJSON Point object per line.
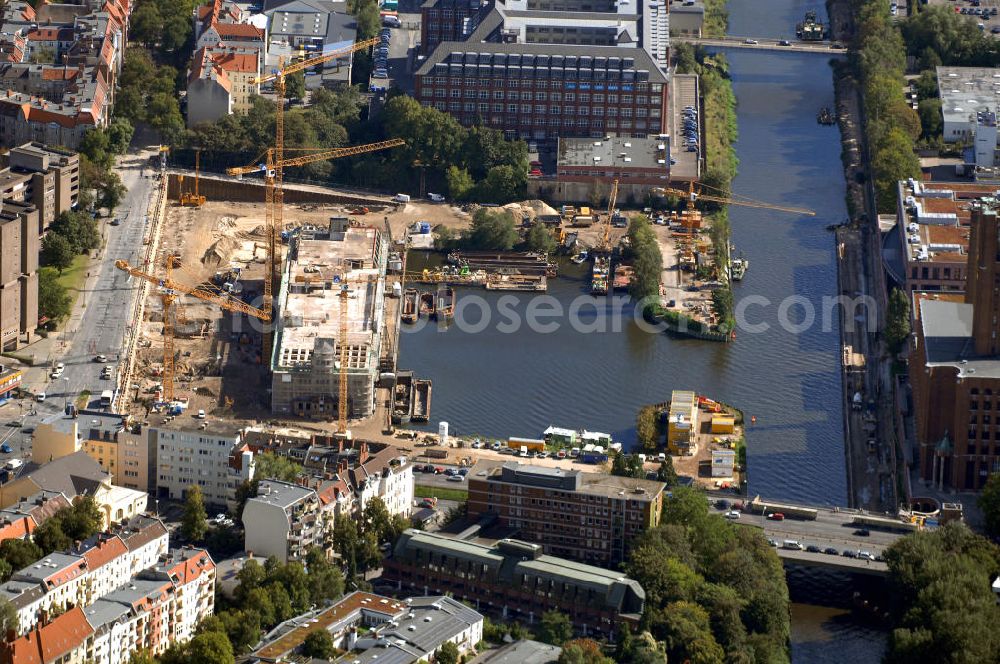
{"type": "Point", "coordinates": [541, 84]}
{"type": "Point", "coordinates": [512, 95]}
{"type": "Point", "coordinates": [540, 109]}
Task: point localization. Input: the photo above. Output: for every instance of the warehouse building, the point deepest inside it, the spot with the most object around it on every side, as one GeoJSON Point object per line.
{"type": "Point", "coordinates": [545, 68]}
{"type": "Point", "coordinates": [325, 265]}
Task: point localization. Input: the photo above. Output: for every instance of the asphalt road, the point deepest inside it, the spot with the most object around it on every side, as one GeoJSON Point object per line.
{"type": "Point", "coordinates": [107, 298]}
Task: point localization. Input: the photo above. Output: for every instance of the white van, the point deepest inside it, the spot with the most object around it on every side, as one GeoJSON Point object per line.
{"type": "Point", "coordinates": [401, 198]}
{"type": "Point", "coordinates": [791, 544]}
{"type": "Point", "coordinates": [575, 452]}
{"type": "Point", "coordinates": [661, 457]}
{"type": "Point", "coordinates": [14, 464]}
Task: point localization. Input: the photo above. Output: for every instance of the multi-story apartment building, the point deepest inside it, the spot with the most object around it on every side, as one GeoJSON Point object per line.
{"type": "Point", "coordinates": [160, 606]}
{"type": "Point", "coordinates": [955, 368]}
{"type": "Point", "coordinates": [92, 570]}
{"type": "Point", "coordinates": [19, 248]}
{"type": "Point", "coordinates": [105, 438]}
{"type": "Point", "coordinates": [284, 520]}
{"type": "Point", "coordinates": [347, 475]}
{"type": "Point", "coordinates": [547, 68]}
{"type": "Point", "coordinates": [514, 580]}
{"type": "Point", "coordinates": [305, 362]}
{"type": "Point", "coordinates": [84, 44]}
{"type": "Point", "coordinates": [590, 517]}
{"type": "Point", "coordinates": [210, 457]}
{"type": "Point", "coordinates": [46, 177]}
{"type": "Point", "coordinates": [221, 83]}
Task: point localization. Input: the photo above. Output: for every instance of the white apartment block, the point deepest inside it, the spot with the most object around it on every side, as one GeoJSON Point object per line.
{"type": "Point", "coordinates": [284, 520]}
{"type": "Point", "coordinates": [207, 457]}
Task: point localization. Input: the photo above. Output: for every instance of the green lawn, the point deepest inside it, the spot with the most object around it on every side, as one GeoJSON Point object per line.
{"type": "Point", "coordinates": [73, 277]}
{"type": "Point", "coordinates": [441, 493]}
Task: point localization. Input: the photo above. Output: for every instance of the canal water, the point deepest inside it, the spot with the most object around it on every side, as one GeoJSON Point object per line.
{"type": "Point", "coordinates": [507, 380]}
{"type": "Point", "coordinates": [495, 382]}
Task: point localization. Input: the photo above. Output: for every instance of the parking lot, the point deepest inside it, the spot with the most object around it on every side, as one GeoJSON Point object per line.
{"type": "Point", "coordinates": [399, 59]}
{"type": "Point", "coordinates": [974, 9]}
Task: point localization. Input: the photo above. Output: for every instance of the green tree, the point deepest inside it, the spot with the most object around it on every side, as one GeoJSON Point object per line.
{"type": "Point", "coordinates": [897, 326]}
{"type": "Point", "coordinates": [582, 651]}
{"type": "Point", "coordinates": [376, 519]}
{"type": "Point", "coordinates": [685, 629]}
{"type": "Point", "coordinates": [210, 648]}
{"type": "Point", "coordinates": [82, 520]}
{"type": "Point", "coordinates": [931, 121]}
{"type": "Point", "coordinates": [194, 523]}
{"type": "Point", "coordinates": [447, 654]}
{"type": "Point", "coordinates": [555, 628]}
{"type": "Point", "coordinates": [19, 553]}
{"type": "Point", "coordinates": [141, 657]}
{"type": "Point", "coordinates": [627, 465]}
{"type": "Point", "coordinates": [502, 184]}
{"type": "Point", "coordinates": [271, 466]}
{"type": "Point", "coordinates": [78, 228]}
{"type": "Point", "coordinates": [492, 230]}
{"type": "Point", "coordinates": [50, 537]}
{"type": "Point", "coordinates": [326, 581]}
{"type": "Point", "coordinates": [459, 182]}
{"type": "Point", "coordinates": [942, 603]}
{"type": "Point", "coordinates": [926, 85]}
{"type": "Point", "coordinates": [295, 85]}
{"type": "Point", "coordinates": [318, 644]}
{"type": "Point", "coordinates": [57, 252]}
{"type": "Point", "coordinates": [8, 616]}
{"type": "Point", "coordinates": [648, 263]}
{"type": "Point", "coordinates": [540, 239]}
{"type": "Point", "coordinates": [366, 13]}
{"type": "Point", "coordinates": [647, 428]}
{"type": "Point", "coordinates": [989, 503]}
{"type": "Point", "coordinates": [53, 300]}
{"type": "Point", "coordinates": [666, 473]}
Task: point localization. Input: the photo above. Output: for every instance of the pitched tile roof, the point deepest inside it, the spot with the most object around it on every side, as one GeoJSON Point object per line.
{"type": "Point", "coordinates": [52, 641]}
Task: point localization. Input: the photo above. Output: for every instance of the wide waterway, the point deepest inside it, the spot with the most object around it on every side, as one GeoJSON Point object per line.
{"type": "Point", "coordinates": [501, 383]}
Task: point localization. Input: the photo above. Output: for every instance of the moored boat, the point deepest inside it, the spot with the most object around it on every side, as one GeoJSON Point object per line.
{"type": "Point", "coordinates": [427, 304]}
{"type": "Point", "coordinates": [445, 301]}
{"type": "Point", "coordinates": [410, 311]}
{"type": "Point", "coordinates": [421, 400]}
{"type": "Point", "coordinates": [599, 276]}
{"type": "Point", "coordinates": [402, 397]}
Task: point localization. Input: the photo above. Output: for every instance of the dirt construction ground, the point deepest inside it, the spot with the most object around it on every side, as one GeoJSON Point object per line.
{"type": "Point", "coordinates": [218, 366]}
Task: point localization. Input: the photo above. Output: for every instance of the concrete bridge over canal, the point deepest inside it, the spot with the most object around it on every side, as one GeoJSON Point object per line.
{"type": "Point", "coordinates": [823, 528]}
{"type": "Point", "coordinates": [770, 44]}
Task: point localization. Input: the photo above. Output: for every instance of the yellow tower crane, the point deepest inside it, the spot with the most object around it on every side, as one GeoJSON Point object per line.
{"type": "Point", "coordinates": [605, 244]}
{"type": "Point", "coordinates": [195, 199]}
{"type": "Point", "coordinates": [728, 200]}
{"type": "Point", "coordinates": [170, 290]}
{"type": "Point", "coordinates": [274, 171]}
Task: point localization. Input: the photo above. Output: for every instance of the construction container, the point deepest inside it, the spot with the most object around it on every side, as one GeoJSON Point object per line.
{"type": "Point", "coordinates": [531, 444]}
{"type": "Point", "coordinates": [723, 424]}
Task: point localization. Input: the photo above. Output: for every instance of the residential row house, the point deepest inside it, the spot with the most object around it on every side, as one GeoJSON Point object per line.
{"type": "Point", "coordinates": [81, 48]}
{"type": "Point", "coordinates": [348, 474]}
{"type": "Point", "coordinates": [89, 571]}
{"type": "Point", "coordinates": [159, 606]}
{"type": "Point", "coordinates": [228, 58]}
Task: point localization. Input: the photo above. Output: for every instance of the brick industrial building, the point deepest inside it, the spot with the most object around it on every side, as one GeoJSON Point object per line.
{"type": "Point", "coordinates": [515, 580]}
{"type": "Point", "coordinates": [542, 68]}
{"type": "Point", "coordinates": [590, 517]}
{"type": "Point", "coordinates": [955, 368]}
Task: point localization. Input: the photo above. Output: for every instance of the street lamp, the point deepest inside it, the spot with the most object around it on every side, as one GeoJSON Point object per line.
{"type": "Point", "coordinates": [66, 395]}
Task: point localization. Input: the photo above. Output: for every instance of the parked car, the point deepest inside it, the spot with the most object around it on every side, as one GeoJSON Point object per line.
{"type": "Point", "coordinates": [862, 532]}
{"type": "Point", "coordinates": [436, 198]}
{"type": "Point", "coordinates": [732, 514]}
{"type": "Point", "coordinates": [456, 478]}
{"type": "Point", "coordinates": [100, 358]}
{"type": "Point", "coordinates": [849, 553]}
{"type": "Point", "coordinates": [812, 548]}
{"type": "Point", "coordinates": [438, 470]}
{"type": "Point", "coordinates": [831, 551]}
{"type": "Point", "coordinates": [40, 397]}
{"type": "Point", "coordinates": [776, 516]}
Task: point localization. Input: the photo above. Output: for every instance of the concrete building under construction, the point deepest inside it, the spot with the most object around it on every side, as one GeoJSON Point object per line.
{"type": "Point", "coordinates": [305, 362]}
